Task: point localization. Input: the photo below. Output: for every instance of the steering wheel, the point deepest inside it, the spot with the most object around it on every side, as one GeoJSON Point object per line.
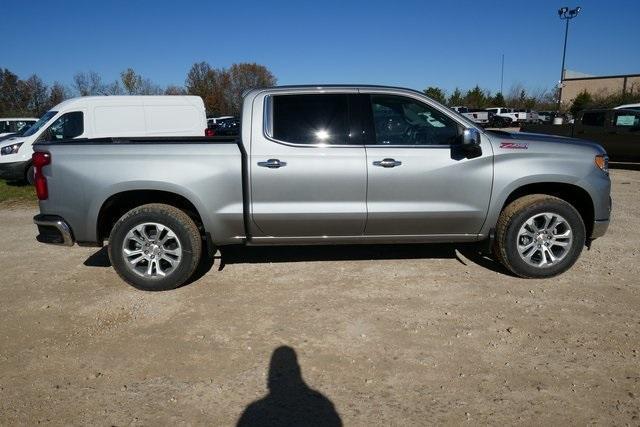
{"type": "Point", "coordinates": [413, 134]}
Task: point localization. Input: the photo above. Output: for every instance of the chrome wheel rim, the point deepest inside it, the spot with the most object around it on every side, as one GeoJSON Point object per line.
{"type": "Point", "coordinates": [544, 239]}
{"type": "Point", "coordinates": [152, 250]}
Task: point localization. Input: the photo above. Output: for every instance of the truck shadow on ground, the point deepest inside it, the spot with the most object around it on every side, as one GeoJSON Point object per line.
{"type": "Point", "coordinates": [229, 255]}
{"type": "Point", "coordinates": [290, 400]}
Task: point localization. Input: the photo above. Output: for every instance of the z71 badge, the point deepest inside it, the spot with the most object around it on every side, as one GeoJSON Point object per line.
{"type": "Point", "coordinates": [514, 146]}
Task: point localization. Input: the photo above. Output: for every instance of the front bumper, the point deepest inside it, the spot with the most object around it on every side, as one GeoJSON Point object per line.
{"type": "Point", "coordinates": [13, 171]}
{"type": "Point", "coordinates": [53, 230]}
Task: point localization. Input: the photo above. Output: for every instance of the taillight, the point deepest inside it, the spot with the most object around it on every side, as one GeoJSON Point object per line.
{"type": "Point", "coordinates": [209, 132]}
{"type": "Point", "coordinates": [40, 160]}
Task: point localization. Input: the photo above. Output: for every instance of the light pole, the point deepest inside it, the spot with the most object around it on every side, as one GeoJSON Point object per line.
{"type": "Point", "coordinates": [566, 14]}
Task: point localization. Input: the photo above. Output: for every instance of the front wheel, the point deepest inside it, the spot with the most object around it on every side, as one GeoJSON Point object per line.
{"type": "Point", "coordinates": [539, 236]}
{"type": "Point", "coordinates": [155, 247]}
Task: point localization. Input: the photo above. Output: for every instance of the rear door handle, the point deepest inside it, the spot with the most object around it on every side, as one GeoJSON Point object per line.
{"type": "Point", "coordinates": [272, 164]}
{"type": "Point", "coordinates": [387, 163]}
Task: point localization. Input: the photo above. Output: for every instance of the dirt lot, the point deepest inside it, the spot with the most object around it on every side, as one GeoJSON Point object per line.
{"type": "Point", "coordinates": [384, 335]}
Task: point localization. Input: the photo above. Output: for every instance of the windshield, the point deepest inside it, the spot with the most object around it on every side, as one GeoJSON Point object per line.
{"type": "Point", "coordinates": [37, 125]}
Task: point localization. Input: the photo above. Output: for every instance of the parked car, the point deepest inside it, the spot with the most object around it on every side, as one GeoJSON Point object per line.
{"type": "Point", "coordinates": [547, 116]}
{"type": "Point", "coordinates": [103, 116]}
{"type": "Point", "coordinates": [324, 165]}
{"type": "Point", "coordinates": [507, 113]}
{"type": "Point", "coordinates": [628, 107]}
{"type": "Point", "coordinates": [15, 125]}
{"type": "Point", "coordinates": [525, 116]}
{"type": "Point", "coordinates": [616, 130]}
{"type": "Point", "coordinates": [477, 115]}
{"type": "Point", "coordinates": [218, 120]}
{"type": "Point", "coordinates": [229, 127]}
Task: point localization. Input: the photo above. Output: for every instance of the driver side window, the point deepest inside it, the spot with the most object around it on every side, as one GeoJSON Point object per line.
{"type": "Point", "coordinates": [404, 121]}
{"type": "Point", "coordinates": [67, 126]}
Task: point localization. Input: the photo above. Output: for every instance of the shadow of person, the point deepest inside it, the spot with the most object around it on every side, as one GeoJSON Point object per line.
{"type": "Point", "coordinates": [290, 400]}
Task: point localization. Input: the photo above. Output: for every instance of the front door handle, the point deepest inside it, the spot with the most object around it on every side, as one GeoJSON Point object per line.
{"type": "Point", "coordinates": [387, 163]}
{"type": "Point", "coordinates": [272, 164]}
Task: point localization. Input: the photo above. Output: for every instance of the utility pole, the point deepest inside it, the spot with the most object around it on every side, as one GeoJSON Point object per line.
{"type": "Point", "coordinates": [566, 14]}
{"type": "Point", "coordinates": [502, 76]}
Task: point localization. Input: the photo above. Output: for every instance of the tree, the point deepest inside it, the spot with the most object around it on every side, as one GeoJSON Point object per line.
{"type": "Point", "coordinates": [242, 77]}
{"type": "Point", "coordinates": [436, 94]}
{"type": "Point", "coordinates": [35, 94]}
{"type": "Point", "coordinates": [57, 94]}
{"type": "Point", "coordinates": [175, 90]}
{"type": "Point", "coordinates": [498, 100]}
{"type": "Point", "coordinates": [131, 81]}
{"type": "Point", "coordinates": [206, 82]}
{"type": "Point", "coordinates": [113, 89]}
{"type": "Point", "coordinates": [10, 96]}
{"type": "Point", "coordinates": [455, 99]}
{"type": "Point", "coordinates": [475, 98]}
{"type": "Point", "coordinates": [88, 83]}
{"type": "Point", "coordinates": [135, 84]}
{"type": "Point", "coordinates": [581, 102]}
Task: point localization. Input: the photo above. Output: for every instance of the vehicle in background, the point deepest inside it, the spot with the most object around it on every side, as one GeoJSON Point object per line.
{"type": "Point", "coordinates": [229, 127]}
{"type": "Point", "coordinates": [325, 165]}
{"type": "Point", "coordinates": [103, 116]}
{"type": "Point", "coordinates": [504, 112]}
{"type": "Point", "coordinates": [628, 107]}
{"type": "Point", "coordinates": [476, 115]}
{"type": "Point", "coordinates": [14, 135]}
{"type": "Point", "coordinates": [218, 120]}
{"type": "Point", "coordinates": [547, 116]}
{"type": "Point", "coordinates": [15, 125]}
{"type": "Point", "coordinates": [525, 116]}
{"type": "Point", "coordinates": [220, 126]}
{"type": "Point", "coordinates": [616, 130]}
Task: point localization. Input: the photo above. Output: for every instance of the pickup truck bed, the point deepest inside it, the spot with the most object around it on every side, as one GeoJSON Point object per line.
{"type": "Point", "coordinates": [206, 171]}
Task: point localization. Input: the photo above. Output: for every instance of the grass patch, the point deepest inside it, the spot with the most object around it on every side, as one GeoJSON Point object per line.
{"type": "Point", "coordinates": [11, 193]}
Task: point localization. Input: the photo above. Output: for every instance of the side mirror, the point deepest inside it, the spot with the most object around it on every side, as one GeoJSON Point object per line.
{"type": "Point", "coordinates": [470, 138]}
{"type": "Point", "coordinates": [471, 143]}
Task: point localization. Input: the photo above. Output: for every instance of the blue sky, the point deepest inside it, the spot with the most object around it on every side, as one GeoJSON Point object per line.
{"type": "Point", "coordinates": [407, 43]}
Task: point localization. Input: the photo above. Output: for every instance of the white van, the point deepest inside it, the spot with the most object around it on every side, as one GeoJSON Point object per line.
{"type": "Point", "coordinates": [102, 117]}
{"type": "Point", "coordinates": [9, 125]}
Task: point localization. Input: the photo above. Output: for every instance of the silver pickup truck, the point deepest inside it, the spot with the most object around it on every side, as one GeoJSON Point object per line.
{"type": "Point", "coordinates": [325, 165]}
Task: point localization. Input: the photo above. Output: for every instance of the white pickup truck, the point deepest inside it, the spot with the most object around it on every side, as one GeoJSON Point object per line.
{"type": "Point", "coordinates": [476, 115]}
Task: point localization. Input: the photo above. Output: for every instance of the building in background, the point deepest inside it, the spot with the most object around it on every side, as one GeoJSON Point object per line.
{"type": "Point", "coordinates": [575, 82]}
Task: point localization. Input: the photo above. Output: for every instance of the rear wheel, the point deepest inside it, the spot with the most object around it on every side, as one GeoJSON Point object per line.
{"type": "Point", "coordinates": [539, 236]}
{"type": "Point", "coordinates": [155, 247]}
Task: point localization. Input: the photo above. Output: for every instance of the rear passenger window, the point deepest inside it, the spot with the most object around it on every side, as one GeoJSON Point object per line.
{"type": "Point", "coordinates": [631, 120]}
{"type": "Point", "coordinates": [311, 119]}
{"type": "Point", "coordinates": [595, 118]}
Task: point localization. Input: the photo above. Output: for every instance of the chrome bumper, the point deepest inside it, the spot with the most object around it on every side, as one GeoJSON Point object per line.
{"type": "Point", "coordinates": [53, 230]}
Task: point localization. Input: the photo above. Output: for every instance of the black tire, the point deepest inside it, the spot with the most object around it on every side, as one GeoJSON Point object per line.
{"type": "Point", "coordinates": [177, 221]}
{"type": "Point", "coordinates": [29, 176]}
{"type": "Point", "coordinates": [513, 218]}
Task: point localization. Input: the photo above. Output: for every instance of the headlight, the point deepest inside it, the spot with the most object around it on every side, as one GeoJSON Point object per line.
{"type": "Point", "coordinates": [602, 162]}
{"type": "Point", "coordinates": [10, 149]}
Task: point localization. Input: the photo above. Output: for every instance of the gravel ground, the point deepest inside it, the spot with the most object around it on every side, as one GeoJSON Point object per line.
{"type": "Point", "coordinates": [366, 335]}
